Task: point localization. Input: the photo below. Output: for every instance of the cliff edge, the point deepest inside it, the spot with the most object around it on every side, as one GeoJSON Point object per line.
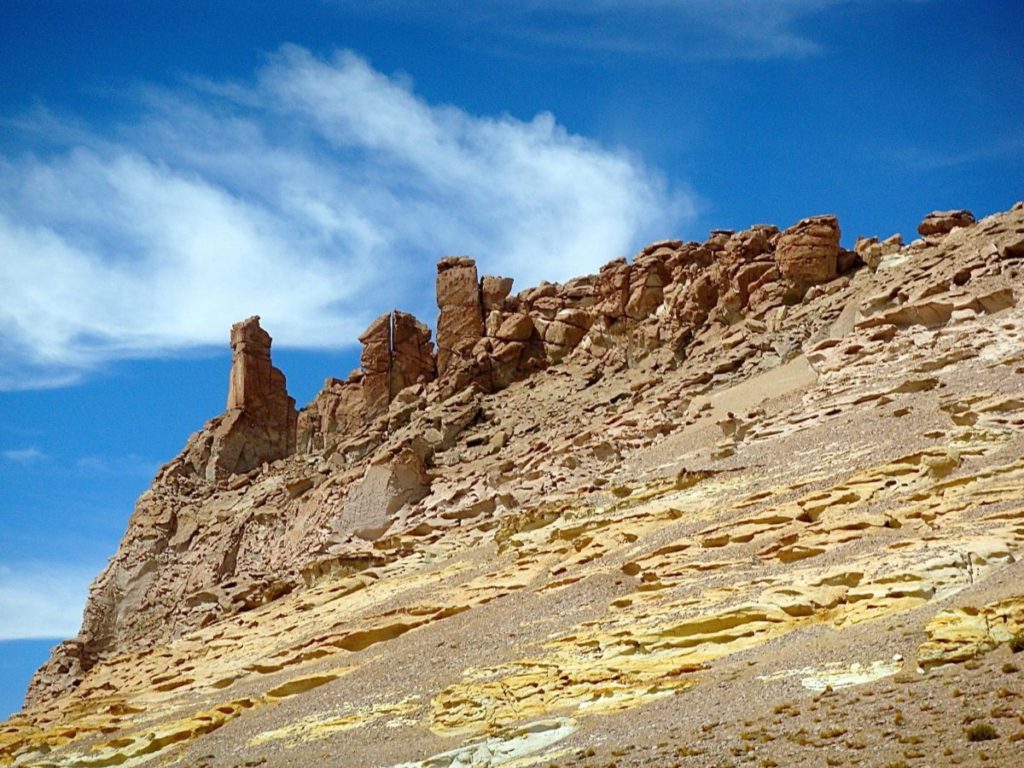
{"type": "Point", "coordinates": [748, 459]}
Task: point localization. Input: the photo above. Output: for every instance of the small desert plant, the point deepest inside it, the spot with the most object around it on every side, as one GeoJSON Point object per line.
{"type": "Point", "coordinates": [981, 732]}
{"type": "Point", "coordinates": [1017, 642]}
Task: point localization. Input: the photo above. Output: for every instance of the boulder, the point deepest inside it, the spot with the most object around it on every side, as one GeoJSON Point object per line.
{"type": "Point", "coordinates": [871, 252]}
{"type": "Point", "coordinates": [806, 252]}
{"type": "Point", "coordinates": [753, 242]}
{"type": "Point", "coordinates": [938, 223]}
{"type": "Point", "coordinates": [515, 327]}
{"type": "Point", "coordinates": [385, 488]}
{"type": "Point", "coordinates": [494, 291]}
{"type": "Point", "coordinates": [563, 335]}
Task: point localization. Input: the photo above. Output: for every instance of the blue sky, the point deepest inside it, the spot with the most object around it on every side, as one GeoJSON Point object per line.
{"type": "Point", "coordinates": [167, 168]}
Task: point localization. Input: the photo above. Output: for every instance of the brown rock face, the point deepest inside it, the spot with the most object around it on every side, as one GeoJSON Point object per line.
{"type": "Point", "coordinates": [339, 409]}
{"type": "Point", "coordinates": [613, 289]}
{"type": "Point", "coordinates": [871, 251]}
{"type": "Point", "coordinates": [260, 422]}
{"type": "Point", "coordinates": [942, 222]}
{"type": "Point", "coordinates": [397, 353]}
{"type": "Point", "coordinates": [256, 385]}
{"type": "Point", "coordinates": [494, 291]}
{"type": "Point", "coordinates": [806, 252]}
{"type": "Point", "coordinates": [375, 361]}
{"type": "Point", "coordinates": [412, 352]}
{"type": "Point", "coordinates": [385, 488]}
{"type": "Point", "coordinates": [451, 513]}
{"type": "Point", "coordinates": [461, 322]}
{"type": "Point", "coordinates": [647, 281]}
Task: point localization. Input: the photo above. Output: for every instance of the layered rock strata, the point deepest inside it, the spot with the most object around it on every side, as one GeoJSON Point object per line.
{"type": "Point", "coordinates": [746, 469]}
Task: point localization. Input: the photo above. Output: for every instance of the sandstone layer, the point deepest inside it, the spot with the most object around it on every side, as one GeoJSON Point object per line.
{"type": "Point", "coordinates": [750, 501]}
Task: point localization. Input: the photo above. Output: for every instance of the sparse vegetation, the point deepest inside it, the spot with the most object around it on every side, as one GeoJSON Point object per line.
{"type": "Point", "coordinates": [981, 732]}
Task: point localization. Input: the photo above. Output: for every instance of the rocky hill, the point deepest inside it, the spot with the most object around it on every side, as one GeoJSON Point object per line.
{"type": "Point", "coordinates": [752, 501]}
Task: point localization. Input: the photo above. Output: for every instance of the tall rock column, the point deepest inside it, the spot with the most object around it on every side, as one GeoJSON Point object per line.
{"type": "Point", "coordinates": [260, 422]}
{"type": "Point", "coordinates": [461, 322]}
{"type": "Point", "coordinates": [375, 361]}
{"type": "Point", "coordinates": [257, 387]}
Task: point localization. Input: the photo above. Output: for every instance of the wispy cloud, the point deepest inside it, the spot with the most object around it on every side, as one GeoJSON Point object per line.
{"type": "Point", "coordinates": [23, 455]}
{"type": "Point", "coordinates": [1008, 147]}
{"type": "Point", "coordinates": [680, 29]}
{"type": "Point", "coordinates": [317, 195]}
{"type": "Point", "coordinates": [128, 465]}
{"type": "Point", "coordinates": [41, 599]}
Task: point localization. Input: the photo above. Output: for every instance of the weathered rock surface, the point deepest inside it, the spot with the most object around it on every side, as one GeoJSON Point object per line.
{"type": "Point", "coordinates": [871, 251]}
{"type": "Point", "coordinates": [806, 252]}
{"type": "Point", "coordinates": [397, 353]}
{"type": "Point", "coordinates": [260, 422]}
{"type": "Point", "coordinates": [461, 322]}
{"type": "Point", "coordinates": [944, 222]}
{"type": "Point", "coordinates": [743, 504]}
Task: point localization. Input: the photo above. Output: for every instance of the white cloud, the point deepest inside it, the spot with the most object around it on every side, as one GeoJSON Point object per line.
{"type": "Point", "coordinates": [23, 455]}
{"type": "Point", "coordinates": [318, 196]}
{"type": "Point", "coordinates": [40, 599]}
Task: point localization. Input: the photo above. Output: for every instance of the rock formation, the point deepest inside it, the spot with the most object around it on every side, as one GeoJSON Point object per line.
{"type": "Point", "coordinates": [460, 324]}
{"type": "Point", "coordinates": [938, 223]}
{"type": "Point", "coordinates": [871, 251]}
{"type": "Point", "coordinates": [397, 353]}
{"type": "Point", "coordinates": [806, 252]}
{"type": "Point", "coordinates": [260, 422]}
{"type": "Point", "coordinates": [754, 499]}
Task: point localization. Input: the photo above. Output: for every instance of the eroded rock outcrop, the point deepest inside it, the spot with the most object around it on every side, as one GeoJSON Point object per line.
{"type": "Point", "coordinates": [460, 325]}
{"type": "Point", "coordinates": [397, 353]}
{"type": "Point", "coordinates": [938, 223]}
{"type": "Point", "coordinates": [260, 422]}
{"type": "Point", "coordinates": [871, 251]}
{"type": "Point", "coordinates": [806, 252]}
{"type": "Point", "coordinates": [613, 486]}
{"type": "Point", "coordinates": [392, 481]}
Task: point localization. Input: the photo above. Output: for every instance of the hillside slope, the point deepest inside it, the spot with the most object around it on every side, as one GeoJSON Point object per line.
{"type": "Point", "coordinates": [756, 500]}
